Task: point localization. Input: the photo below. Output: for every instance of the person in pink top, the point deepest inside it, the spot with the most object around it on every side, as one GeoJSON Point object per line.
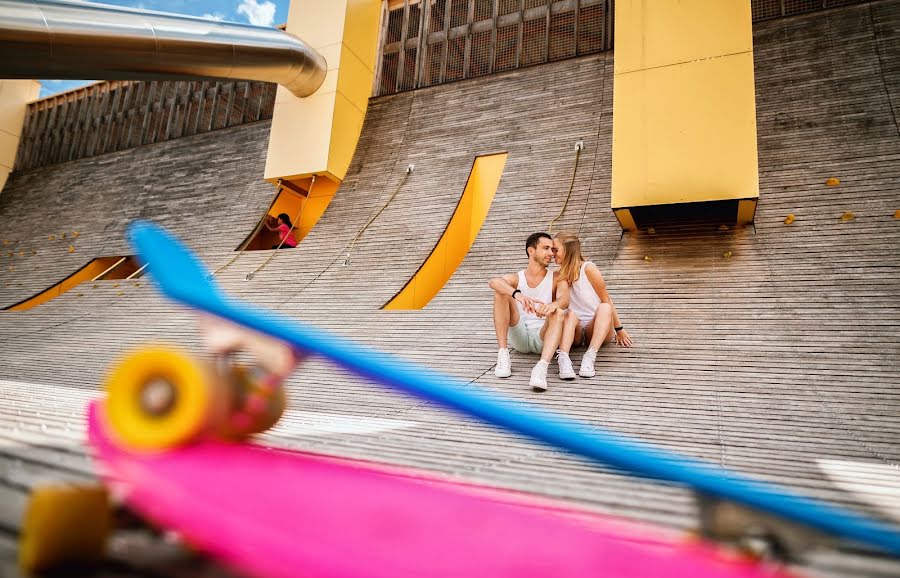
{"type": "Point", "coordinates": [285, 230]}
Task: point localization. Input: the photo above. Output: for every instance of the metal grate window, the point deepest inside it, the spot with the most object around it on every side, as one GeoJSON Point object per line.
{"type": "Point", "coordinates": [792, 7]}
{"type": "Point", "coordinates": [765, 9]}
{"type": "Point", "coordinates": [484, 10]}
{"type": "Point", "coordinates": [534, 42]}
{"type": "Point", "coordinates": [395, 26]}
{"type": "Point", "coordinates": [591, 36]}
{"type": "Point", "coordinates": [459, 12]}
{"type": "Point", "coordinates": [389, 69]}
{"type": "Point", "coordinates": [562, 35]}
{"type": "Point", "coordinates": [433, 64]}
{"type": "Point", "coordinates": [507, 45]}
{"type": "Point", "coordinates": [481, 54]}
{"type": "Point", "coordinates": [408, 79]}
{"type": "Point", "coordinates": [415, 17]}
{"type": "Point", "coordinates": [437, 10]}
{"type": "Point", "coordinates": [456, 59]}
{"type": "Point", "coordinates": [510, 6]}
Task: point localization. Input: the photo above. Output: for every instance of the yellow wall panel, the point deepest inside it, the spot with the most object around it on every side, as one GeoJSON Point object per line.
{"type": "Point", "coordinates": [318, 134]}
{"type": "Point", "coordinates": [430, 277]}
{"type": "Point", "coordinates": [684, 108]}
{"type": "Point", "coordinates": [685, 133]}
{"type": "Point", "coordinates": [298, 141]}
{"type": "Point", "coordinates": [359, 34]}
{"type": "Point", "coordinates": [345, 130]}
{"type": "Point", "coordinates": [674, 31]}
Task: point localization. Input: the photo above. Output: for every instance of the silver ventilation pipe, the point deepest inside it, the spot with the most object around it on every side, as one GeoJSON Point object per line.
{"type": "Point", "coordinates": [64, 39]}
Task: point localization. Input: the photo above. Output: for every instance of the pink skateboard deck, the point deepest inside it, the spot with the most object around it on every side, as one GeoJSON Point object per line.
{"type": "Point", "coordinates": [273, 513]}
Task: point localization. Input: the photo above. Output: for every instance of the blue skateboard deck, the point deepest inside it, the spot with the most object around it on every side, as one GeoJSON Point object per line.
{"type": "Point", "coordinates": [180, 276]}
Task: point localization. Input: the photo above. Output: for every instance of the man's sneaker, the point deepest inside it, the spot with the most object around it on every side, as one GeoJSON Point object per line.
{"type": "Point", "coordinates": [539, 376]}
{"type": "Point", "coordinates": [587, 363]}
{"type": "Point", "coordinates": [566, 371]}
{"type": "Point", "coordinates": [503, 366]}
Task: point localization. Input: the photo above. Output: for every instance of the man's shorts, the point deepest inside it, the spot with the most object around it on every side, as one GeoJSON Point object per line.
{"type": "Point", "coordinates": [525, 340]}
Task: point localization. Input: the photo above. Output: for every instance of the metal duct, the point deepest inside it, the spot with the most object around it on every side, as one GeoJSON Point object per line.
{"type": "Point", "coordinates": [77, 40]}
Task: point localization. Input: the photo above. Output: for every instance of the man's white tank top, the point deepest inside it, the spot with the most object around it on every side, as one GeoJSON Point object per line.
{"type": "Point", "coordinates": [543, 293]}
{"type": "Point", "coordinates": [583, 300]}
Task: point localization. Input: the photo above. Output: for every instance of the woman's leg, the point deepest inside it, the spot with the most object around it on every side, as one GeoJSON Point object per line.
{"type": "Point", "coordinates": [600, 329]}
{"type": "Point", "coordinates": [572, 332]}
{"type": "Point", "coordinates": [597, 335]}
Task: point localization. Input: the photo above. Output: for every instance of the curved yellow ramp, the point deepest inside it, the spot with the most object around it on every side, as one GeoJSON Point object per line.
{"type": "Point", "coordinates": [458, 237]}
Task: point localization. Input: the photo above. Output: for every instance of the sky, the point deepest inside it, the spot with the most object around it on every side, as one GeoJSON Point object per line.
{"type": "Point", "coordinates": [258, 12]}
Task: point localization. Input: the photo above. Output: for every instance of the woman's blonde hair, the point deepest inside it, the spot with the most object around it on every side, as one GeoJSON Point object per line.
{"type": "Point", "coordinates": [570, 267]}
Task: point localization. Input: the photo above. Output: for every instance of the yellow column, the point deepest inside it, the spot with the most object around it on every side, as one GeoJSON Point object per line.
{"type": "Point", "coordinates": [318, 134]}
{"type": "Point", "coordinates": [684, 108]}
{"type": "Point", "coordinates": [14, 96]}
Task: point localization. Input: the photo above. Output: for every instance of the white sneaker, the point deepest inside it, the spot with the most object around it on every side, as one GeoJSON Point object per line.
{"type": "Point", "coordinates": [587, 363]}
{"type": "Point", "coordinates": [566, 371]}
{"type": "Point", "coordinates": [503, 368]}
{"type": "Point", "coordinates": [539, 376]}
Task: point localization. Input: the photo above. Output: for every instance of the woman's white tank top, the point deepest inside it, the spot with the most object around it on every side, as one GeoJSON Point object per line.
{"type": "Point", "coordinates": [543, 293]}
{"type": "Point", "coordinates": [583, 300]}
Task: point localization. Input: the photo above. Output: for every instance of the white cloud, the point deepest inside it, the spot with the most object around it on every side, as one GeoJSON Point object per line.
{"type": "Point", "coordinates": [217, 16]}
{"type": "Point", "coordinates": [258, 13]}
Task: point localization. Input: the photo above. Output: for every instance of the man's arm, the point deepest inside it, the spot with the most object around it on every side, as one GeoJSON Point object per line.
{"type": "Point", "coordinates": [507, 285]}
{"type": "Point", "coordinates": [599, 285]}
{"type": "Point", "coordinates": [561, 291]}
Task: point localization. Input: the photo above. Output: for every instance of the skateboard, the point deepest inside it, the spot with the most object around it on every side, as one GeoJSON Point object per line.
{"type": "Point", "coordinates": [172, 442]}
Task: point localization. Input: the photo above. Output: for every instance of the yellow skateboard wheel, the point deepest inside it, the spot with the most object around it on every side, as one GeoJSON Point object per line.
{"type": "Point", "coordinates": [64, 524]}
{"type": "Point", "coordinates": [158, 398]}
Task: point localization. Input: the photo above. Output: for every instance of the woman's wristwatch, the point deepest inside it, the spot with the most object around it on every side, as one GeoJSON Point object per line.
{"type": "Point", "coordinates": [516, 291]}
{"type": "Point", "coordinates": [619, 328]}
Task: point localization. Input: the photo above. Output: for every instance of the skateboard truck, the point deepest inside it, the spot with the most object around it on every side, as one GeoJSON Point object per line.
{"type": "Point", "coordinates": [759, 535]}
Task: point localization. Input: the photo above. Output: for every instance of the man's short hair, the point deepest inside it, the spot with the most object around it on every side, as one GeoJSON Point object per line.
{"type": "Point", "coordinates": [532, 241]}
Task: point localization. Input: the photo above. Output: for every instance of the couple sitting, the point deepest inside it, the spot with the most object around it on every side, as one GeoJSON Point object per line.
{"type": "Point", "coordinates": [539, 311]}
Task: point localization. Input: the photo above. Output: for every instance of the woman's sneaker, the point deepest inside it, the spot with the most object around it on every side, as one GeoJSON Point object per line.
{"type": "Point", "coordinates": [587, 363]}
{"type": "Point", "coordinates": [539, 376]}
{"type": "Point", "coordinates": [566, 371]}
{"type": "Point", "coordinates": [503, 368]}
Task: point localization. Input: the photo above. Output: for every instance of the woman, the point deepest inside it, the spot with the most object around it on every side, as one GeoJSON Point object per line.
{"type": "Point", "coordinates": [285, 230]}
{"type": "Point", "coordinates": [592, 318]}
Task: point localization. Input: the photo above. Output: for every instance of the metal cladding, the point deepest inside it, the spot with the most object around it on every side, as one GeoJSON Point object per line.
{"type": "Point", "coordinates": [69, 40]}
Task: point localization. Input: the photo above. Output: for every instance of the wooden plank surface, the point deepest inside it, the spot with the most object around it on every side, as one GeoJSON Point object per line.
{"type": "Point", "coordinates": [768, 362]}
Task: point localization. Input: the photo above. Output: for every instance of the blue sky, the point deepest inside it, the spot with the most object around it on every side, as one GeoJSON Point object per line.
{"type": "Point", "coordinates": [259, 12]}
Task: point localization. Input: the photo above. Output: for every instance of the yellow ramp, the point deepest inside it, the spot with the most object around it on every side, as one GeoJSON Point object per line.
{"type": "Point", "coordinates": [458, 237]}
{"type": "Point", "coordinates": [101, 267]}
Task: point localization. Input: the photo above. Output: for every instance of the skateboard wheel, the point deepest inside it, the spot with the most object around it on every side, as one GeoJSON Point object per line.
{"type": "Point", "coordinates": [158, 398]}
{"type": "Point", "coordinates": [257, 404]}
{"type": "Point", "coordinates": [274, 408]}
{"type": "Point", "coordinates": [64, 524]}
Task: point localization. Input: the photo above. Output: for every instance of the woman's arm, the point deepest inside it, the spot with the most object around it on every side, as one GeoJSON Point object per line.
{"type": "Point", "coordinates": [599, 285]}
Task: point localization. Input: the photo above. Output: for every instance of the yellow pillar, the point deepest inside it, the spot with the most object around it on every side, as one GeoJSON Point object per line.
{"type": "Point", "coordinates": [14, 96]}
{"type": "Point", "coordinates": [684, 107]}
{"type": "Point", "coordinates": [318, 134]}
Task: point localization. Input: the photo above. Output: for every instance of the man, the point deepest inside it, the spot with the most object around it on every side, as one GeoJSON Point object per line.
{"type": "Point", "coordinates": [527, 317]}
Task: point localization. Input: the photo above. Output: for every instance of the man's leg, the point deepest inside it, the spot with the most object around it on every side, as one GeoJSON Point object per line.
{"type": "Point", "coordinates": [598, 332]}
{"type": "Point", "coordinates": [506, 315]}
{"type": "Point", "coordinates": [550, 335]}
